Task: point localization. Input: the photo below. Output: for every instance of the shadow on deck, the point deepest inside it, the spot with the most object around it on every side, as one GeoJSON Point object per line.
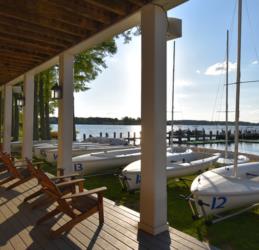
{"type": "Point", "coordinates": [119, 231]}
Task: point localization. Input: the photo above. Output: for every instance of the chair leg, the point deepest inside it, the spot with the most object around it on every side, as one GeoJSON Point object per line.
{"type": "Point", "coordinates": [66, 227]}
{"type": "Point", "coordinates": [17, 183]}
{"type": "Point", "coordinates": [33, 195]}
{"type": "Point", "coordinates": [6, 180]}
{"type": "Point", "coordinates": [48, 216]}
{"type": "Point", "coordinates": [70, 224]}
{"type": "Point", "coordinates": [100, 208]}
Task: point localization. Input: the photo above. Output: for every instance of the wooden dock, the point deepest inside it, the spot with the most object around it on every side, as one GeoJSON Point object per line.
{"type": "Point", "coordinates": [18, 230]}
{"type": "Point", "coordinates": [189, 137]}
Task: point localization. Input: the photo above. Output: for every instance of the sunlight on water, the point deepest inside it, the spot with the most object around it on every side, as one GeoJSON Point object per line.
{"type": "Point", "coordinates": [95, 130]}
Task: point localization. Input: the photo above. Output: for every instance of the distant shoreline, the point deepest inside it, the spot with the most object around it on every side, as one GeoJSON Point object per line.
{"type": "Point", "coordinates": [133, 121]}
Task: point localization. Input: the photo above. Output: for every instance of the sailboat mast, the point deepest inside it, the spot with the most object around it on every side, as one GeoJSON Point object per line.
{"type": "Point", "coordinates": [238, 76]}
{"type": "Point", "coordinates": [173, 76]}
{"type": "Point", "coordinates": [226, 130]}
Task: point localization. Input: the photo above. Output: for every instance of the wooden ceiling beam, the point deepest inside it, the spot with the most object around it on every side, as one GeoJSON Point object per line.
{"type": "Point", "coordinates": [7, 52]}
{"type": "Point", "coordinates": [5, 55]}
{"type": "Point", "coordinates": [115, 6]}
{"type": "Point", "coordinates": [138, 3]}
{"type": "Point", "coordinates": [31, 36]}
{"type": "Point", "coordinates": [12, 67]}
{"type": "Point", "coordinates": [25, 51]}
{"type": "Point", "coordinates": [38, 30]}
{"type": "Point", "coordinates": [15, 62]}
{"type": "Point", "coordinates": [83, 9]}
{"type": "Point", "coordinates": [7, 59]}
{"type": "Point", "coordinates": [26, 45]}
{"type": "Point", "coordinates": [16, 71]}
{"type": "Point", "coordinates": [24, 41]}
{"type": "Point", "coordinates": [40, 20]}
{"type": "Point", "coordinates": [6, 79]}
{"type": "Point", "coordinates": [51, 12]}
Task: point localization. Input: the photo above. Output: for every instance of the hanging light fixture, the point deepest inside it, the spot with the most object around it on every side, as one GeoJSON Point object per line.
{"type": "Point", "coordinates": [56, 92]}
{"type": "Point", "coordinates": [20, 101]}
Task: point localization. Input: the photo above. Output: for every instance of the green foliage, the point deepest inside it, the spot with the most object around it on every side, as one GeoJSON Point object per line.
{"type": "Point", "coordinates": [87, 66]}
{"type": "Point", "coordinates": [102, 120]}
{"type": "Point", "coordinates": [90, 63]}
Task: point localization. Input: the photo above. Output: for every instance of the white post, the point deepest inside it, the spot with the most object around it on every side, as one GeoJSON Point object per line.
{"type": "Point", "coordinates": [153, 194]}
{"type": "Point", "coordinates": [27, 140]}
{"type": "Point", "coordinates": [65, 113]}
{"type": "Point", "coordinates": [7, 119]}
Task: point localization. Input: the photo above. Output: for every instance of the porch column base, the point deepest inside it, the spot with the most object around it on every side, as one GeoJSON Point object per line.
{"type": "Point", "coordinates": [153, 230]}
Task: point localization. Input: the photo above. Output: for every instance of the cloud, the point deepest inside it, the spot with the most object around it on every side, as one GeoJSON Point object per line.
{"type": "Point", "coordinates": [198, 71]}
{"type": "Point", "coordinates": [255, 62]}
{"type": "Point", "coordinates": [183, 83]}
{"type": "Point", "coordinates": [220, 68]}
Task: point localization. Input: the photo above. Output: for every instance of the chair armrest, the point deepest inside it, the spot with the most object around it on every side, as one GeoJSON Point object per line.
{"type": "Point", "coordinates": [64, 176]}
{"type": "Point", "coordinates": [18, 160]}
{"type": "Point", "coordinates": [34, 163]}
{"type": "Point", "coordinates": [68, 183]}
{"type": "Point", "coordinates": [20, 165]}
{"type": "Point", "coordinates": [85, 193]}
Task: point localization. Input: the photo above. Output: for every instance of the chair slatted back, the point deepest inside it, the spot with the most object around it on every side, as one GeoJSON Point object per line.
{"type": "Point", "coordinates": [7, 160]}
{"type": "Point", "coordinates": [31, 168]}
{"type": "Point", "coordinates": [52, 190]}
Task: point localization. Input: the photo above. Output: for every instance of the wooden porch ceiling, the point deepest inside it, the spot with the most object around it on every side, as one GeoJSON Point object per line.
{"type": "Point", "coordinates": [32, 32]}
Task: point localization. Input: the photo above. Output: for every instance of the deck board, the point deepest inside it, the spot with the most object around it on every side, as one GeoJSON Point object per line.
{"type": "Point", "coordinates": [120, 230]}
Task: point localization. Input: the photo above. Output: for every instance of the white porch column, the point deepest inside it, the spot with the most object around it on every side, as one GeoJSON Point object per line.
{"type": "Point", "coordinates": [27, 140]}
{"type": "Point", "coordinates": [7, 119]}
{"type": "Point", "coordinates": [65, 113]}
{"type": "Point", "coordinates": [153, 194]}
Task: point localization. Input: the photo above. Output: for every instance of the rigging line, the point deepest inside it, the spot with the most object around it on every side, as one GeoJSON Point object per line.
{"type": "Point", "coordinates": [220, 104]}
{"type": "Point", "coordinates": [251, 30]}
{"type": "Point", "coordinates": [242, 82]}
{"type": "Point", "coordinates": [215, 103]}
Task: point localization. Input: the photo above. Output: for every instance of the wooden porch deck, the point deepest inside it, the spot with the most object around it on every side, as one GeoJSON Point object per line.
{"type": "Point", "coordinates": [17, 230]}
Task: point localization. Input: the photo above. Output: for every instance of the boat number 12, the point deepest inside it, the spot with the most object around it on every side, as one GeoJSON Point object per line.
{"type": "Point", "coordinates": [218, 202]}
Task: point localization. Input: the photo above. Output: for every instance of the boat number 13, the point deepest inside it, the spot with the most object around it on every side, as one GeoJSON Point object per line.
{"type": "Point", "coordinates": [218, 202]}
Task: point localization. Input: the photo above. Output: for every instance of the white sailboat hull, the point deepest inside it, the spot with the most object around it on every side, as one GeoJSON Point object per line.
{"type": "Point", "coordinates": [178, 165]}
{"type": "Point", "coordinates": [103, 161]}
{"type": "Point", "coordinates": [219, 191]}
{"type": "Point", "coordinates": [52, 154]}
{"type": "Point", "coordinates": [230, 160]}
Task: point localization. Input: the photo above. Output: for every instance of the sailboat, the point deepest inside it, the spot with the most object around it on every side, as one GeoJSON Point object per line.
{"type": "Point", "coordinates": [179, 162]}
{"type": "Point", "coordinates": [228, 157]}
{"type": "Point", "coordinates": [231, 187]}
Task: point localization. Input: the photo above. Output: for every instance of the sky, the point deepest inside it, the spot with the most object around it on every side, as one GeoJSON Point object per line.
{"type": "Point", "coordinates": [199, 69]}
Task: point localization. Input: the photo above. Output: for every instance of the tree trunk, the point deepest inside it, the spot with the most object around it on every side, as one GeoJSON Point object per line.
{"type": "Point", "coordinates": [15, 123]}
{"type": "Point", "coordinates": [41, 109]}
{"type": "Point", "coordinates": [35, 112]}
{"type": "Point", "coordinates": [46, 107]}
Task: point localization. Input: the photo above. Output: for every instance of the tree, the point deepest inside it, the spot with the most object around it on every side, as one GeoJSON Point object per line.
{"type": "Point", "coordinates": [87, 66]}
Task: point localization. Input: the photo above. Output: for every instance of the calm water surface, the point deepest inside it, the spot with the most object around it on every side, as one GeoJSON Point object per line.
{"type": "Point", "coordinates": [94, 130]}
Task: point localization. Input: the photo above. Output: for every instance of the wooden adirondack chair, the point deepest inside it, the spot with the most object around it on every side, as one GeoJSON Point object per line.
{"type": "Point", "coordinates": [66, 183]}
{"type": "Point", "coordinates": [77, 206]}
{"type": "Point", "coordinates": [2, 165]}
{"type": "Point", "coordinates": [20, 173]}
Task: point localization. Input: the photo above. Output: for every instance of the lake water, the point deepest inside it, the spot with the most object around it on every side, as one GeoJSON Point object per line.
{"type": "Point", "coordinates": [95, 130]}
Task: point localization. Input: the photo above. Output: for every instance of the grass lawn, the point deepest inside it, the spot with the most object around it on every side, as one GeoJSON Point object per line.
{"type": "Point", "coordinates": [240, 232]}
